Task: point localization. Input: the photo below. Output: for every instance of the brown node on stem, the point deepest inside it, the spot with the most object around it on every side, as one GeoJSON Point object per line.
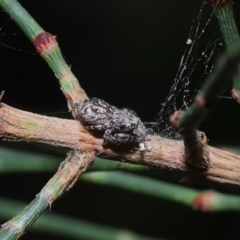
{"type": "Point", "coordinates": [197, 153]}
{"type": "Point", "coordinates": [173, 119]}
{"type": "Point", "coordinates": [1, 95]}
{"type": "Point", "coordinates": [202, 103]}
{"type": "Point", "coordinates": [218, 3]}
{"type": "Point", "coordinates": [204, 201]}
{"type": "Point", "coordinates": [44, 42]}
{"type": "Point", "coordinates": [236, 95]}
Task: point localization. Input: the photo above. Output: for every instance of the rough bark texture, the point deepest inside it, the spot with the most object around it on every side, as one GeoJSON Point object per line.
{"type": "Point", "coordinates": [165, 154]}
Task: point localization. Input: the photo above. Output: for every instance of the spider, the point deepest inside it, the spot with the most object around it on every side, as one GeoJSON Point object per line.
{"type": "Point", "coordinates": [119, 126]}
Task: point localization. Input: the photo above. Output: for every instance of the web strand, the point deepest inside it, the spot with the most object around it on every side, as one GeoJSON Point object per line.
{"type": "Point", "coordinates": [202, 48]}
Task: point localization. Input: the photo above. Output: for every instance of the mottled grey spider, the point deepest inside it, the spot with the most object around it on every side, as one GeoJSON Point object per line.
{"type": "Point", "coordinates": [120, 126]}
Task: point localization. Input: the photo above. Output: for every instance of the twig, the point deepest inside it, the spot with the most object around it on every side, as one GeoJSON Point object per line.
{"type": "Point", "coordinates": [70, 228]}
{"type": "Point", "coordinates": [199, 200]}
{"type": "Point", "coordinates": [228, 26]}
{"type": "Point", "coordinates": [166, 154]}
{"type": "Point", "coordinates": [47, 46]}
{"type": "Point", "coordinates": [186, 122]}
{"type": "Point", "coordinates": [209, 201]}
{"type": "Point", "coordinates": [70, 170]}
{"type": "Point", "coordinates": [16, 161]}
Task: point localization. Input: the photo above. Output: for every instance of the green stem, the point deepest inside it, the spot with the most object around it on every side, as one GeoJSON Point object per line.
{"type": "Point", "coordinates": [199, 200]}
{"type": "Point", "coordinates": [195, 146]}
{"type": "Point", "coordinates": [13, 161]}
{"type": "Point", "coordinates": [69, 227]}
{"type": "Point", "coordinates": [69, 171]}
{"type": "Point", "coordinates": [228, 25]}
{"type": "Point", "coordinates": [225, 69]}
{"type": "Point", "coordinates": [100, 164]}
{"type": "Point", "coordinates": [48, 48]}
{"type": "Point", "coordinates": [23, 19]}
{"type": "Point", "coordinates": [229, 31]}
{"type": "Point", "coordinates": [19, 161]}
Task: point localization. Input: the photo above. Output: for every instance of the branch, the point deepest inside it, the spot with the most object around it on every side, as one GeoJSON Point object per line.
{"type": "Point", "coordinates": [166, 154]}
{"type": "Point", "coordinates": [187, 122]}
{"type": "Point", "coordinates": [18, 161]}
{"type": "Point", "coordinates": [208, 201]}
{"type": "Point", "coordinates": [69, 227]}
{"type": "Point", "coordinates": [68, 173]}
{"type": "Point", "coordinates": [227, 68]}
{"type": "Point", "coordinates": [47, 46]}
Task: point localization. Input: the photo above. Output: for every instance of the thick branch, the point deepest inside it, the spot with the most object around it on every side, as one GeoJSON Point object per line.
{"type": "Point", "coordinates": [16, 125]}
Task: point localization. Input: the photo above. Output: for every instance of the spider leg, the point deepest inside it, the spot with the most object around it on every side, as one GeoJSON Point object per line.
{"type": "Point", "coordinates": [143, 147]}
{"type": "Point", "coordinates": [99, 127]}
{"type": "Point", "coordinates": [120, 139]}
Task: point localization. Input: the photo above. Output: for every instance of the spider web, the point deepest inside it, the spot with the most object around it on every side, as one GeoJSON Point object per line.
{"type": "Point", "coordinates": [11, 36]}
{"type": "Point", "coordinates": [203, 45]}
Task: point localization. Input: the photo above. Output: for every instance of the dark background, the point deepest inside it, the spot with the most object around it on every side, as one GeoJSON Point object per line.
{"type": "Point", "coordinates": [126, 52]}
